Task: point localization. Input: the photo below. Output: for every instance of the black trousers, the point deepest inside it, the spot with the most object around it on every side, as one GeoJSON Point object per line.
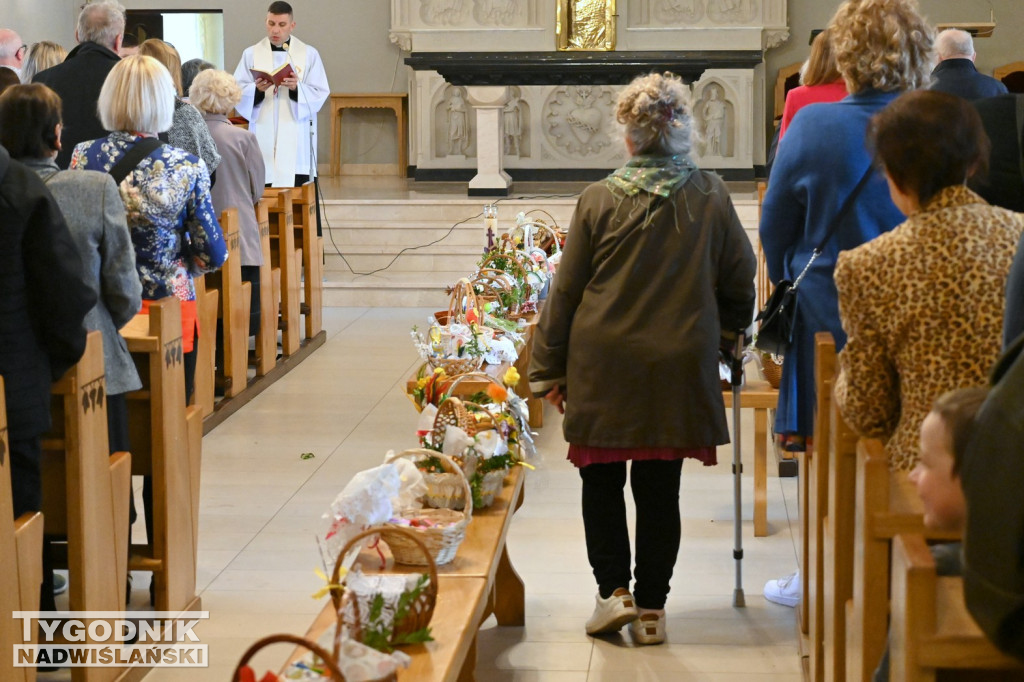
{"type": "Point", "coordinates": [251, 274]}
{"type": "Point", "coordinates": [655, 487]}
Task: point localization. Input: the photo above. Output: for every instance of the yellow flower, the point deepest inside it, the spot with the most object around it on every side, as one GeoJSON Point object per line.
{"type": "Point", "coordinates": [439, 370]}
{"type": "Point", "coordinates": [421, 382]}
{"type": "Point", "coordinates": [511, 377]}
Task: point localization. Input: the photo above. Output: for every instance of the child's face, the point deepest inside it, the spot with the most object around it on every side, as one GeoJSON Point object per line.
{"type": "Point", "coordinates": [940, 490]}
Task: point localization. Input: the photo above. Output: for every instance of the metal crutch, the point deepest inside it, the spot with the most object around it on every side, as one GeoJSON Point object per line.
{"type": "Point", "coordinates": [737, 469]}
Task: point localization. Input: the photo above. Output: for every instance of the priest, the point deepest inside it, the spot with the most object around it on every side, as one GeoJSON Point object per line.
{"type": "Point", "coordinates": [283, 116]}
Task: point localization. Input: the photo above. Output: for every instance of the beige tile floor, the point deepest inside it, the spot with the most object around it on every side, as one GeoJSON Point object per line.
{"type": "Point", "coordinates": [261, 505]}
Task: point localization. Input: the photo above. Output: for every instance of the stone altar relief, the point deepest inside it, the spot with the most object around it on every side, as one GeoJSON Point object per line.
{"type": "Point", "coordinates": [453, 129]}
{"type": "Point", "coordinates": [515, 125]}
{"type": "Point", "coordinates": [498, 12]}
{"type": "Point", "coordinates": [585, 25]}
{"type": "Point", "coordinates": [443, 12]}
{"type": "Point", "coordinates": [578, 120]}
{"type": "Point", "coordinates": [716, 120]}
{"type": "Point", "coordinates": [703, 24]}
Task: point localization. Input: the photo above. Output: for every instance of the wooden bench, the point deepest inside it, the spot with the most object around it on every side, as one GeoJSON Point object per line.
{"type": "Point", "coordinates": [478, 582]}
{"type": "Point", "coordinates": [266, 339]}
{"type": "Point", "coordinates": [287, 258]}
{"type": "Point", "coordinates": [814, 507]}
{"type": "Point", "coordinates": [887, 505]}
{"type": "Point", "coordinates": [166, 443]}
{"type": "Point", "coordinates": [21, 563]}
{"type": "Point", "coordinates": [837, 541]}
{"type": "Point", "coordinates": [207, 305]}
{"type": "Point", "coordinates": [85, 493]}
{"type": "Point", "coordinates": [233, 311]}
{"type": "Point", "coordinates": [306, 238]}
{"type": "Point", "coordinates": [931, 627]}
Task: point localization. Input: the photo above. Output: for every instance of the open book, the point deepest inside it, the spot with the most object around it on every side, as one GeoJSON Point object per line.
{"type": "Point", "coordinates": [276, 76]}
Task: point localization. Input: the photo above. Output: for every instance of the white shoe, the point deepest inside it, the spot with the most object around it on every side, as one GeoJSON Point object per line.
{"type": "Point", "coordinates": [648, 629]}
{"type": "Point", "coordinates": [612, 613]}
{"type": "Point", "coordinates": [785, 591]}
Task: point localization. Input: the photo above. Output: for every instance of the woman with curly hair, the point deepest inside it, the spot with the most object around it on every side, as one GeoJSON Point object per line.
{"type": "Point", "coordinates": [882, 48]}
{"type": "Point", "coordinates": [655, 272]}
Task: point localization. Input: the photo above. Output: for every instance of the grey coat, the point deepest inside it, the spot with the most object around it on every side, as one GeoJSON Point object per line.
{"type": "Point", "coordinates": [633, 322]}
{"type": "Point", "coordinates": [239, 181]}
{"type": "Point", "coordinates": [94, 212]}
{"type": "Point", "coordinates": [188, 132]}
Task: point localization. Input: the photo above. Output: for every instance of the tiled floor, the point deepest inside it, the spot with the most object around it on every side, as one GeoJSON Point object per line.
{"type": "Point", "coordinates": [261, 505]}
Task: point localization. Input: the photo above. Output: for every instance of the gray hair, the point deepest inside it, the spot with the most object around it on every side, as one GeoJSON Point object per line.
{"type": "Point", "coordinates": [101, 22]}
{"type": "Point", "coordinates": [655, 110]}
{"type": "Point", "coordinates": [214, 92]}
{"type": "Point", "coordinates": [190, 69]}
{"type": "Point", "coordinates": [953, 43]}
{"type": "Point", "coordinates": [10, 43]}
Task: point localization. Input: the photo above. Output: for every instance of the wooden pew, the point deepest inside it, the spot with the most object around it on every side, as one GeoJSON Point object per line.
{"type": "Point", "coordinates": [931, 627]}
{"type": "Point", "coordinates": [233, 311]}
{"type": "Point", "coordinates": [165, 445]}
{"type": "Point", "coordinates": [837, 541]}
{"type": "Point", "coordinates": [285, 256]}
{"type": "Point", "coordinates": [207, 304]}
{"type": "Point", "coordinates": [21, 563]}
{"type": "Point", "coordinates": [85, 492]}
{"type": "Point", "coordinates": [266, 339]}
{"type": "Point", "coordinates": [887, 504]}
{"type": "Point", "coordinates": [814, 503]}
{"type": "Point", "coordinates": [304, 210]}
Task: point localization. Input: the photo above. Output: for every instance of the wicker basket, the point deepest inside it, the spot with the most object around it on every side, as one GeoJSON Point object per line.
{"type": "Point", "coordinates": [329, 660]}
{"type": "Point", "coordinates": [421, 610]}
{"type": "Point", "coordinates": [772, 370]}
{"type": "Point", "coordinates": [491, 484]}
{"type": "Point", "coordinates": [445, 490]}
{"type": "Point", "coordinates": [441, 541]}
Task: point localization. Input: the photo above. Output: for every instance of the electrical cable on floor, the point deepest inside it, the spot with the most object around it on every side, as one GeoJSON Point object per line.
{"type": "Point", "coordinates": [337, 251]}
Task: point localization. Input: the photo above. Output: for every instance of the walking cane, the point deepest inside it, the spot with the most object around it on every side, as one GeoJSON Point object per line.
{"type": "Point", "coordinates": [737, 469]}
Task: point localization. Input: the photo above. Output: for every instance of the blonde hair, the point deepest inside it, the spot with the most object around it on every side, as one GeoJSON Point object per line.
{"type": "Point", "coordinates": [137, 95]}
{"type": "Point", "coordinates": [820, 67]}
{"type": "Point", "coordinates": [166, 55]}
{"type": "Point", "coordinates": [882, 44]}
{"type": "Point", "coordinates": [214, 92]}
{"type": "Point", "coordinates": [655, 109]}
{"type": "Point", "coordinates": [41, 56]}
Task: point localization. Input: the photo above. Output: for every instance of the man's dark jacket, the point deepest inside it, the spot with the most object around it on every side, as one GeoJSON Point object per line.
{"type": "Point", "coordinates": [960, 77]}
{"type": "Point", "coordinates": [78, 82]}
{"type": "Point", "coordinates": [43, 298]}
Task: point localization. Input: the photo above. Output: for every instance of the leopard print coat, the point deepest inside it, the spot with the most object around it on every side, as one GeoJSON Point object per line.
{"type": "Point", "coordinates": [922, 307]}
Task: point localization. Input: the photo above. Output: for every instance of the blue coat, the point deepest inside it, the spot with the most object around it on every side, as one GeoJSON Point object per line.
{"type": "Point", "coordinates": [818, 164]}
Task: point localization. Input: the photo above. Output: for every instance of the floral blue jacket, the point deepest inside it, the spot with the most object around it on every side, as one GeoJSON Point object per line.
{"type": "Point", "coordinates": [170, 215]}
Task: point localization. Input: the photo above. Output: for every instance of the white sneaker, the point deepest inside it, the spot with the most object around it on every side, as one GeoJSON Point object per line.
{"type": "Point", "coordinates": [785, 591]}
{"type": "Point", "coordinates": [648, 628]}
{"type": "Point", "coordinates": [612, 613]}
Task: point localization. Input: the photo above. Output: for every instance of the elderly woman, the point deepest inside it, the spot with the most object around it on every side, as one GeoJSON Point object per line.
{"type": "Point", "coordinates": [188, 131]}
{"type": "Point", "coordinates": [216, 93]}
{"type": "Point", "coordinates": [166, 192]}
{"type": "Point", "coordinates": [189, 71]}
{"type": "Point", "coordinates": [655, 271]}
{"type": "Point", "coordinates": [922, 306]}
{"type": "Point", "coordinates": [882, 48]}
{"type": "Point", "coordinates": [30, 130]}
{"type": "Point", "coordinates": [41, 56]}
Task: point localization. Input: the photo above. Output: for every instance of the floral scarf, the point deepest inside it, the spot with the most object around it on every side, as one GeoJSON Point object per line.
{"type": "Point", "coordinates": [659, 175]}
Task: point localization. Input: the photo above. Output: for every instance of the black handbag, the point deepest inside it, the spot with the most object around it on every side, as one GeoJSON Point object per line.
{"type": "Point", "coordinates": [777, 320]}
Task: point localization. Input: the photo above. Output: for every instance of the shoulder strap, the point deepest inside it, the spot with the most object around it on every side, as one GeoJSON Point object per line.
{"type": "Point", "coordinates": [133, 158]}
{"type": "Point", "coordinates": [844, 211]}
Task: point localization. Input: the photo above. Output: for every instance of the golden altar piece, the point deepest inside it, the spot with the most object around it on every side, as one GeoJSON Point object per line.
{"type": "Point", "coordinates": [585, 25]}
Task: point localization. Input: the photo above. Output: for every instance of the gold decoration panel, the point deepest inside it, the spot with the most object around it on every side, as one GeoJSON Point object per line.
{"type": "Point", "coordinates": [586, 25]}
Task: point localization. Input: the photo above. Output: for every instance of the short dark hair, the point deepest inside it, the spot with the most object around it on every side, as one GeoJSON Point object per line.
{"type": "Point", "coordinates": [29, 115]}
{"type": "Point", "coordinates": [957, 409]}
{"type": "Point", "coordinates": [280, 7]}
{"type": "Point", "coordinates": [928, 140]}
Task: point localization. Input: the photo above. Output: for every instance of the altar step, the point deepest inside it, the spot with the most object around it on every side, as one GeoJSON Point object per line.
{"type": "Point", "coordinates": [442, 237]}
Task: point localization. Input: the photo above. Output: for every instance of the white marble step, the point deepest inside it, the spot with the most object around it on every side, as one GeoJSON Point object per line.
{"type": "Point", "coordinates": [390, 288]}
